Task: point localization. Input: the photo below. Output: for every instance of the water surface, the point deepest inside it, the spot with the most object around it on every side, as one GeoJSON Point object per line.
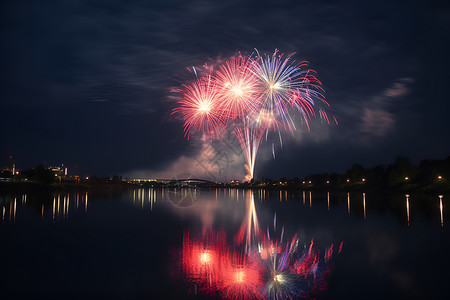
{"type": "Point", "coordinates": [130, 244]}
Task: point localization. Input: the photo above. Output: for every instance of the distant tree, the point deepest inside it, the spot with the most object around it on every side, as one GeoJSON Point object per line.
{"type": "Point", "coordinates": [266, 180]}
{"type": "Point", "coordinates": [334, 179]}
{"type": "Point", "coordinates": [116, 179]}
{"type": "Point", "coordinates": [376, 176]}
{"type": "Point", "coordinates": [401, 169]}
{"type": "Point", "coordinates": [28, 173]}
{"type": "Point", "coordinates": [356, 173]}
{"type": "Point", "coordinates": [43, 175]}
{"type": "Point", "coordinates": [6, 174]}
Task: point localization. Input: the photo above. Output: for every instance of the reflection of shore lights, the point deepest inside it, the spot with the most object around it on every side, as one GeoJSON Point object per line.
{"type": "Point", "coordinates": [364, 204]}
{"type": "Point", "coordinates": [407, 207]}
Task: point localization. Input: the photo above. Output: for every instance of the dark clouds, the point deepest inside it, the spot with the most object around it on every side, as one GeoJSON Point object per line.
{"type": "Point", "coordinates": [88, 83]}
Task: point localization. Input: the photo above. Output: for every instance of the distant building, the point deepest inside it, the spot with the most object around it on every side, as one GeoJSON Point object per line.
{"type": "Point", "coordinates": [60, 173]}
{"type": "Point", "coordinates": [72, 178]}
{"type": "Point", "coordinates": [12, 165]}
{"type": "Point", "coordinates": [8, 173]}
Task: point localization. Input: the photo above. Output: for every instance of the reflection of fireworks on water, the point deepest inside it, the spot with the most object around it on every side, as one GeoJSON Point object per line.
{"type": "Point", "coordinates": [295, 272]}
{"type": "Point", "coordinates": [255, 95]}
{"type": "Point", "coordinates": [262, 267]}
{"type": "Point", "coordinates": [208, 263]}
{"type": "Point", "coordinates": [242, 278]}
{"type": "Point", "coordinates": [272, 270]}
{"type": "Point", "coordinates": [201, 257]}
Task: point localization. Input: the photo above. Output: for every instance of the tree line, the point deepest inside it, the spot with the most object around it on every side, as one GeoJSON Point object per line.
{"type": "Point", "coordinates": [402, 174]}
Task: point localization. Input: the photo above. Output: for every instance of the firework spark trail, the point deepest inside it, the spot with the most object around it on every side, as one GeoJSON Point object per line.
{"type": "Point", "coordinates": [249, 138]}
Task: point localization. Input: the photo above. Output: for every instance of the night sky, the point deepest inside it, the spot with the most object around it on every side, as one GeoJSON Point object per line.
{"type": "Point", "coordinates": [88, 83]}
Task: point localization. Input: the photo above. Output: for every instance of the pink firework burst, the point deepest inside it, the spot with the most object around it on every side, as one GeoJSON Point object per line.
{"type": "Point", "coordinates": [237, 88]}
{"type": "Point", "coordinates": [200, 107]}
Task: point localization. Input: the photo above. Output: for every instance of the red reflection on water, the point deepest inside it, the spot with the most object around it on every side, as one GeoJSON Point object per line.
{"type": "Point", "coordinates": [241, 278]}
{"type": "Point", "coordinates": [208, 262]}
{"type": "Point", "coordinates": [269, 270]}
{"type": "Point", "coordinates": [265, 266]}
{"type": "Point", "coordinates": [201, 258]}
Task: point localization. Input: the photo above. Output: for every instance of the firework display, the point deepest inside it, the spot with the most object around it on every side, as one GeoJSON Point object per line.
{"type": "Point", "coordinates": [255, 95]}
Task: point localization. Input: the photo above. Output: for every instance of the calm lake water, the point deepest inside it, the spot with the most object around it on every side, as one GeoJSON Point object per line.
{"type": "Point", "coordinates": [201, 244]}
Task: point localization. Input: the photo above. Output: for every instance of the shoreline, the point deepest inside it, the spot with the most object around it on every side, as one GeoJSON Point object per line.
{"type": "Point", "coordinates": [356, 187]}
